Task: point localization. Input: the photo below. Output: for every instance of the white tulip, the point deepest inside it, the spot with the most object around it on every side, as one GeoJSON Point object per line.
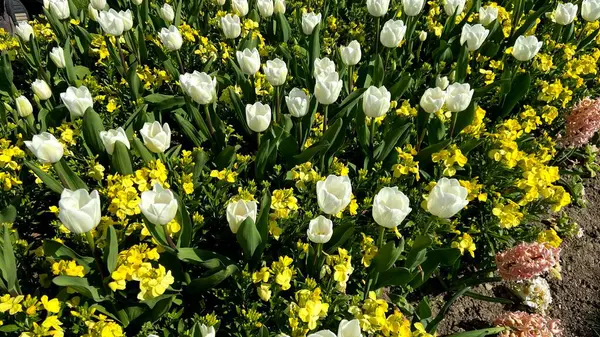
{"type": "Point", "coordinates": [60, 9]}
{"type": "Point", "coordinates": [41, 89]}
{"type": "Point", "coordinates": [220, 2]}
{"type": "Point", "coordinates": [454, 6]}
{"type": "Point", "coordinates": [231, 26]}
{"type": "Point", "coordinates": [167, 13]}
{"type": "Point", "coordinates": [45, 147]}
{"type": "Point", "coordinates": [297, 102]}
{"type": "Point", "coordinates": [111, 23]}
{"type": "Point", "coordinates": [392, 33]}
{"type": "Point", "coordinates": [323, 67]}
{"type": "Point", "coordinates": [565, 13]}
{"type": "Point", "coordinates": [137, 2]}
{"type": "Point", "coordinates": [158, 205]}
{"type": "Point", "coordinates": [171, 38]}
{"type": "Point", "coordinates": [46, 4]}
{"type": "Point", "coordinates": [239, 211]}
{"type": "Point", "coordinates": [249, 60]}
{"type": "Point", "coordinates": [24, 30]}
{"type": "Point", "coordinates": [57, 55]}
{"type": "Point", "coordinates": [487, 14]}
{"type": "Point", "coordinates": [442, 82]}
{"type": "Point", "coordinates": [390, 207]}
{"type": "Point", "coordinates": [322, 333]}
{"type": "Point", "coordinates": [474, 36]}
{"type": "Point", "coordinates": [127, 19]}
{"type": "Point", "coordinates": [433, 99]}
{"type": "Point", "coordinates": [240, 7]}
{"type": "Point", "coordinates": [110, 137]}
{"type": "Point", "coordinates": [309, 22]}
{"type": "Point", "coordinates": [422, 36]}
{"type": "Point", "coordinates": [590, 10]}
{"type": "Point", "coordinates": [526, 48]}
{"type": "Point", "coordinates": [79, 210]}
{"type": "Point", "coordinates": [156, 138]}
{"type": "Point", "coordinates": [265, 8]}
{"type": "Point", "coordinates": [351, 54]}
{"type": "Point", "coordinates": [207, 331]}
{"type": "Point", "coordinates": [199, 86]}
{"type": "Point", "coordinates": [334, 194]}
{"type": "Point", "coordinates": [258, 116]}
{"type": "Point", "coordinates": [376, 101]}
{"type": "Point", "coordinates": [378, 8]}
{"type": "Point", "coordinates": [328, 88]}
{"type": "Point", "coordinates": [413, 7]}
{"type": "Point", "coordinates": [92, 13]}
{"type": "Point", "coordinates": [458, 96]}
{"type": "Point", "coordinates": [349, 328]}
{"type": "Point", "coordinates": [77, 100]}
{"type": "Point", "coordinates": [98, 4]}
{"type": "Point", "coordinates": [275, 72]}
{"type": "Point", "coordinates": [279, 6]}
{"type": "Point", "coordinates": [447, 198]}
{"type": "Point", "coordinates": [320, 229]}
{"type": "Point", "coordinates": [24, 107]}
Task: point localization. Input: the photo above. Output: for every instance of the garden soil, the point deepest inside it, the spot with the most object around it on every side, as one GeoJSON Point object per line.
{"type": "Point", "coordinates": [576, 299]}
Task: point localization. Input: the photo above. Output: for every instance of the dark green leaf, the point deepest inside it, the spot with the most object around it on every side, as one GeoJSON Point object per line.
{"type": "Point", "coordinates": [248, 237]}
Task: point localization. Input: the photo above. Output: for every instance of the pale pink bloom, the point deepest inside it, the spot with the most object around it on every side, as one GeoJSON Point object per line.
{"type": "Point", "coordinates": [582, 123]}
{"type": "Point", "coordinates": [526, 260]}
{"type": "Point", "coordinates": [522, 324]}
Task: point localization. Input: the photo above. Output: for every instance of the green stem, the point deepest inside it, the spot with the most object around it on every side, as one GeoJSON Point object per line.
{"type": "Point", "coordinates": [258, 134]}
{"type": "Point", "coordinates": [350, 80]}
{"type": "Point", "coordinates": [325, 118]}
{"type": "Point", "coordinates": [372, 135]}
{"type": "Point", "coordinates": [90, 240]}
{"type": "Point", "coordinates": [181, 68]}
{"type": "Point", "coordinates": [299, 128]}
{"type": "Point", "coordinates": [169, 239]}
{"type": "Point", "coordinates": [275, 116]}
{"type": "Point", "coordinates": [377, 20]}
{"type": "Point", "coordinates": [211, 129]}
{"type": "Point", "coordinates": [121, 54]}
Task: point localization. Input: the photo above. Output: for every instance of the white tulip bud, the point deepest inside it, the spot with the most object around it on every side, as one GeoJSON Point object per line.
{"type": "Point", "coordinates": [487, 15]}
{"type": "Point", "coordinates": [41, 89]}
{"type": "Point", "coordinates": [220, 2]}
{"type": "Point", "coordinates": [458, 96]}
{"type": "Point", "coordinates": [240, 7]}
{"type": "Point", "coordinates": [24, 31]}
{"type": "Point", "coordinates": [422, 36]}
{"type": "Point", "coordinates": [258, 116]}
{"type": "Point", "coordinates": [127, 19]}
{"type": "Point", "coordinates": [334, 194]}
{"type": "Point", "coordinates": [590, 10]}
{"type": "Point", "coordinates": [206, 331]}
{"type": "Point", "coordinates": [328, 88]}
{"type": "Point", "coordinates": [265, 8]}
{"type": "Point", "coordinates": [390, 207]}
{"type": "Point", "coordinates": [351, 54]}
{"type": "Point", "coordinates": [231, 26]}
{"type": "Point", "coordinates": [565, 13]}
{"type": "Point", "coordinates": [279, 6]}
{"type": "Point", "coordinates": [447, 198]}
{"type": "Point", "coordinates": [376, 101]}
{"type": "Point", "coordinates": [413, 7]}
{"type": "Point", "coordinates": [392, 33]}
{"type": "Point", "coordinates": [433, 99]}
{"type": "Point", "coordinates": [239, 211]}
{"type": "Point", "coordinates": [156, 138]}
{"type": "Point", "coordinates": [171, 38]}
{"type": "Point", "coordinates": [349, 328]}
{"type": "Point", "coordinates": [297, 102]}
{"type": "Point", "coordinates": [275, 72]}
{"type": "Point", "coordinates": [137, 2]}
{"type": "Point", "coordinates": [111, 137]}
{"type": "Point", "coordinates": [474, 36]}
{"type": "Point", "coordinates": [60, 9]}
{"type": "Point", "coordinates": [92, 13]}
{"type": "Point", "coordinates": [309, 22]}
{"type": "Point", "coordinates": [79, 210]}
{"type": "Point", "coordinates": [167, 13]}
{"type": "Point", "coordinates": [323, 67]}
{"type": "Point", "coordinates": [323, 333]}
{"type": "Point", "coordinates": [77, 100]}
{"type": "Point", "coordinates": [454, 6]}
{"type": "Point", "coordinates": [57, 55]}
{"type": "Point", "coordinates": [249, 60]}
{"type": "Point", "coordinates": [24, 107]}
{"type": "Point", "coordinates": [378, 8]}
{"type": "Point", "coordinates": [111, 23]}
{"type": "Point", "coordinates": [526, 48]}
{"type": "Point", "coordinates": [199, 86]}
{"type": "Point", "coordinates": [320, 229]}
{"type": "Point", "coordinates": [158, 205]}
{"type": "Point", "coordinates": [442, 82]}
{"type": "Point", "coordinates": [98, 4]}
{"type": "Point", "coordinates": [45, 147]}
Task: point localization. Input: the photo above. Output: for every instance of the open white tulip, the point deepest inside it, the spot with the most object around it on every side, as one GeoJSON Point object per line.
{"type": "Point", "coordinates": [24, 30]}
{"type": "Point", "coordinates": [199, 86]}
{"type": "Point", "coordinates": [240, 7]}
{"type": "Point", "coordinates": [24, 107]}
{"type": "Point", "coordinates": [79, 210]}
{"type": "Point", "coordinates": [390, 207]}
{"type": "Point", "coordinates": [309, 22]}
{"type": "Point", "coordinates": [320, 230]}
{"type": "Point", "coordinates": [334, 194]}
{"type": "Point", "coordinates": [328, 88]}
{"type": "Point", "coordinates": [171, 38]}
{"type": "Point", "coordinates": [60, 9]}
{"type": "Point", "coordinates": [158, 205]}
{"type": "Point", "coordinates": [265, 8]}
{"type": "Point", "coordinates": [167, 13]}
{"type": "Point", "coordinates": [474, 36]}
{"type": "Point", "coordinates": [526, 48]}
{"type": "Point", "coordinates": [239, 211]}
{"type": "Point", "coordinates": [433, 99]}
{"type": "Point", "coordinates": [349, 328]}
{"type": "Point", "coordinates": [458, 96]}
{"type": "Point", "coordinates": [57, 55]}
{"type": "Point", "coordinates": [41, 89]}
{"type": "Point", "coordinates": [565, 13]}
{"type": "Point", "coordinates": [376, 101]}
{"type": "Point", "coordinates": [156, 138]}
{"type": "Point", "coordinates": [413, 7]}
{"type": "Point", "coordinates": [249, 60]}
{"type": "Point", "coordinates": [45, 147]}
{"type": "Point", "coordinates": [111, 23]}
{"type": "Point", "coordinates": [77, 100]}
{"type": "Point", "coordinates": [258, 116]}
{"type": "Point", "coordinates": [297, 102]}
{"type": "Point", "coordinates": [487, 14]}
{"type": "Point", "coordinates": [442, 82]}
{"type": "Point", "coordinates": [351, 54]}
{"type": "Point", "coordinates": [454, 6]}
{"type": "Point", "coordinates": [590, 10]}
{"type": "Point", "coordinates": [110, 137]}
{"type": "Point", "coordinates": [231, 26]}
{"type": "Point", "coordinates": [323, 67]}
{"type": "Point", "coordinates": [275, 72]}
{"type": "Point", "coordinates": [378, 8]}
{"type": "Point", "coordinates": [447, 198]}
{"type": "Point", "coordinates": [392, 33]}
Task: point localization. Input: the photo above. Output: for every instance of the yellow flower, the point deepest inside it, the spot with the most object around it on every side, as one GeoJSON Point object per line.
{"type": "Point", "coordinates": [52, 306]}
{"type": "Point", "coordinates": [550, 237]}
{"type": "Point", "coordinates": [465, 242]}
{"type": "Point", "coordinates": [264, 292]}
{"type": "Point", "coordinates": [11, 304]}
{"type": "Point", "coordinates": [508, 214]}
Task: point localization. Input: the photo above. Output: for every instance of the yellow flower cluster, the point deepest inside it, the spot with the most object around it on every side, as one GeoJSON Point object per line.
{"type": "Point", "coordinates": [30, 305]}
{"type": "Point", "coordinates": [9, 167]}
{"type": "Point", "coordinates": [405, 109]}
{"type": "Point", "coordinates": [465, 243]}
{"type": "Point", "coordinates": [224, 175]}
{"type": "Point", "coordinates": [68, 268]}
{"type": "Point", "coordinates": [305, 176]}
{"type": "Point", "coordinates": [450, 158]}
{"type": "Point", "coordinates": [406, 162]}
{"type": "Point", "coordinates": [369, 249]}
{"type": "Point", "coordinates": [8, 41]}
{"type": "Point", "coordinates": [508, 214]}
{"type": "Point", "coordinates": [550, 237]}
{"type": "Point", "coordinates": [306, 311]}
{"type": "Point", "coordinates": [340, 265]}
{"type": "Point", "coordinates": [282, 203]}
{"type": "Point", "coordinates": [103, 327]}
{"type": "Point", "coordinates": [549, 92]}
{"type": "Point", "coordinates": [152, 77]}
{"type": "Point", "coordinates": [282, 272]}
{"type": "Point", "coordinates": [475, 189]}
{"type": "Point", "coordinates": [477, 128]}
{"type": "Point", "coordinates": [373, 318]}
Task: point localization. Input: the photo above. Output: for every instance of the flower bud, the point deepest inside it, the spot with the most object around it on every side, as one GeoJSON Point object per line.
{"type": "Point", "coordinates": [334, 194]}
{"type": "Point", "coordinates": [258, 116]}
{"type": "Point", "coordinates": [156, 138]}
{"type": "Point", "coordinates": [92, 13]}
{"type": "Point", "coordinates": [565, 13]}
{"type": "Point", "coordinates": [433, 99]}
{"type": "Point", "coordinates": [199, 86]}
{"type": "Point", "coordinates": [412, 7]}
{"type": "Point", "coordinates": [240, 7]}
{"type": "Point", "coordinates": [378, 8]}
{"type": "Point", "coordinates": [328, 88]}
{"type": "Point", "coordinates": [57, 56]}
{"type": "Point", "coordinates": [323, 67]}
{"type": "Point", "coordinates": [24, 31]}
{"type": "Point", "coordinates": [279, 6]}
{"type": "Point", "coordinates": [454, 6]}
{"type": "Point", "coordinates": [422, 36]}
{"type": "Point", "coordinates": [127, 19]}
{"type": "Point", "coordinates": [320, 230]}
{"type": "Point", "coordinates": [487, 15]}
{"type": "Point", "coordinates": [77, 100]}
{"type": "Point", "coordinates": [110, 137]}
{"type": "Point", "coordinates": [239, 211]}
{"type": "Point", "coordinates": [60, 9]}
{"type": "Point", "coordinates": [310, 21]}
{"type": "Point", "coordinates": [111, 23]}
{"type": "Point", "coordinates": [526, 48]}
{"type": "Point", "coordinates": [297, 102]}
{"type": "Point", "coordinates": [458, 96]}
{"type": "Point", "coordinates": [79, 210]}
{"type": "Point", "coordinates": [376, 101]}
{"type": "Point", "coordinates": [45, 147]}
{"type": "Point", "coordinates": [98, 4]}
{"type": "Point", "coordinates": [171, 38]}
{"type": "Point", "coordinates": [265, 8]}
{"type": "Point", "coordinates": [24, 107]}
{"type": "Point", "coordinates": [275, 72]}
{"type": "Point", "coordinates": [474, 36]}
{"type": "Point", "coordinates": [349, 328]}
{"type": "Point", "coordinates": [41, 89]}
{"type": "Point", "coordinates": [392, 33]}
{"type": "Point", "coordinates": [390, 207]}
{"type": "Point", "coordinates": [166, 13]}
{"type": "Point", "coordinates": [231, 26]}
{"type": "Point", "coordinates": [590, 10]}
{"type": "Point", "coordinates": [447, 198]}
{"type": "Point", "coordinates": [442, 82]}
{"type": "Point", "coordinates": [249, 60]}
{"type": "Point", "coordinates": [158, 205]}
{"type": "Point", "coordinates": [351, 54]}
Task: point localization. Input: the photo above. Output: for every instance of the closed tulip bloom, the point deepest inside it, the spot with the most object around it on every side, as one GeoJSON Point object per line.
{"type": "Point", "coordinates": [275, 72]}
{"type": "Point", "coordinates": [458, 96]}
{"type": "Point", "coordinates": [24, 31]}
{"type": "Point", "coordinates": [378, 8]}
{"type": "Point", "coordinates": [79, 210]}
{"type": "Point", "coordinates": [328, 88]}
{"type": "Point", "coordinates": [565, 13]}
{"type": "Point", "coordinates": [98, 4]}
{"type": "Point", "coordinates": [57, 56]}
{"type": "Point", "coordinates": [77, 100]}
{"type": "Point", "coordinates": [171, 38]}
{"type": "Point", "coordinates": [60, 9]}
{"type": "Point", "coordinates": [111, 23]}
{"type": "Point", "coordinates": [349, 328]}
{"type": "Point", "coordinates": [92, 13]}
{"type": "Point", "coordinates": [231, 26]}
{"type": "Point", "coordinates": [279, 6]}
{"type": "Point", "coordinates": [45, 147]}
{"type": "Point", "coordinates": [297, 102]}
{"type": "Point", "coordinates": [413, 7]}
{"type": "Point", "coordinates": [309, 22]}
{"type": "Point", "coordinates": [158, 205]}
{"type": "Point", "coordinates": [239, 211]}
{"type": "Point", "coordinates": [526, 48]}
{"type": "Point", "coordinates": [110, 137]}
{"type": "Point", "coordinates": [323, 67]}
{"type": "Point", "coordinates": [137, 2]}
{"type": "Point", "coordinates": [220, 2]}
{"type": "Point", "coordinates": [376, 101]}
{"type": "Point", "coordinates": [127, 19]}
{"type": "Point", "coordinates": [590, 10]}
{"type": "Point", "coordinates": [24, 107]}
{"type": "Point", "coordinates": [166, 13]}
{"type": "Point", "coordinates": [487, 15]}
{"type": "Point", "coordinates": [334, 194]}
{"type": "Point", "coordinates": [390, 207]}
{"type": "Point", "coordinates": [447, 198]}
{"type": "Point", "coordinates": [199, 86]}
{"type": "Point", "coordinates": [240, 7]}
{"type": "Point", "coordinates": [433, 99]}
{"type": "Point", "coordinates": [442, 82]}
{"type": "Point", "coordinates": [322, 333]}
{"type": "Point", "coordinates": [320, 230]}
{"type": "Point", "coordinates": [41, 89]}
{"type": "Point", "coordinates": [454, 6]}
{"type": "Point", "coordinates": [249, 60]}
{"type": "Point", "coordinates": [392, 33]}
{"type": "Point", "coordinates": [258, 116]}
{"type": "Point", "coordinates": [351, 54]}
{"type": "Point", "coordinates": [206, 331]}
{"type": "Point", "coordinates": [156, 138]}
{"type": "Point", "coordinates": [474, 36]}
{"type": "Point", "coordinates": [265, 8]}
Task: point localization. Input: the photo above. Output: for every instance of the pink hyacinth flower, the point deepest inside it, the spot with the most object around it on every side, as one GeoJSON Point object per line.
{"type": "Point", "coordinates": [526, 260]}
